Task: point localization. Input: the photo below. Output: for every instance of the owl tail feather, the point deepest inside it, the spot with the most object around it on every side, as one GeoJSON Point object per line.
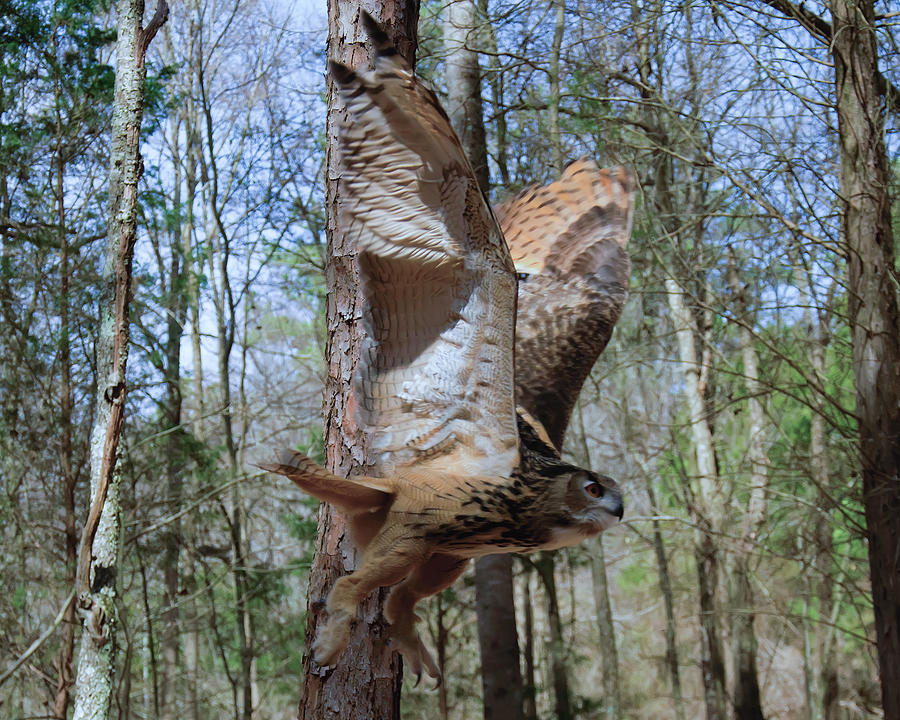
{"type": "Point", "coordinates": [351, 496]}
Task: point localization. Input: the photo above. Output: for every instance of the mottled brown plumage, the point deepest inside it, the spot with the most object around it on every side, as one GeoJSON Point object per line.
{"type": "Point", "coordinates": [568, 243]}
{"type": "Point", "coordinates": [458, 474]}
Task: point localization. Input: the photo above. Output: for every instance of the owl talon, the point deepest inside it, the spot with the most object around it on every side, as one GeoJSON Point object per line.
{"type": "Point", "coordinates": [416, 656]}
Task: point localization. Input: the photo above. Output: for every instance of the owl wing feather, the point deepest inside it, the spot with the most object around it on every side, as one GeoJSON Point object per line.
{"type": "Point", "coordinates": [351, 495]}
{"type": "Point", "coordinates": [435, 377]}
{"type": "Point", "coordinates": [568, 241]}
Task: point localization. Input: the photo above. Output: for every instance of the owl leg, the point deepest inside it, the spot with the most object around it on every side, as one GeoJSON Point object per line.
{"type": "Point", "coordinates": [385, 563]}
{"type": "Point", "coordinates": [432, 576]}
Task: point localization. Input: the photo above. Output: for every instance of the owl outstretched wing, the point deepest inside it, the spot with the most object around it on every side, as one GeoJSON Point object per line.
{"type": "Point", "coordinates": [435, 377]}
{"type": "Point", "coordinates": [568, 242]}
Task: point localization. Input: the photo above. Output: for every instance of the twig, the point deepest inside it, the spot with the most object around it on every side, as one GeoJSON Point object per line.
{"type": "Point", "coordinates": [40, 641]}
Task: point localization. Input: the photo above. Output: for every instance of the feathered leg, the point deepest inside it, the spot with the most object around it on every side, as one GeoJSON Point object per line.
{"type": "Point", "coordinates": [432, 576]}
{"type": "Point", "coordinates": [388, 559]}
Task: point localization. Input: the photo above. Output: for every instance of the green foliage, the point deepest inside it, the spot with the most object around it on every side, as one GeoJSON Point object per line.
{"type": "Point", "coordinates": [634, 575]}
{"type": "Point", "coordinates": [19, 597]}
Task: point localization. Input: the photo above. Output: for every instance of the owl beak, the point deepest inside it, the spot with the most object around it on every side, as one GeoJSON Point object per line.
{"type": "Point", "coordinates": [612, 503]}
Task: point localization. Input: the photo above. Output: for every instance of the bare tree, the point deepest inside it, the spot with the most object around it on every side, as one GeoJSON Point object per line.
{"type": "Point", "coordinates": [861, 96]}
{"type": "Point", "coordinates": [873, 311]}
{"type": "Point", "coordinates": [98, 558]}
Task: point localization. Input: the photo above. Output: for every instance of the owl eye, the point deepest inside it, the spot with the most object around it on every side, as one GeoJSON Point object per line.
{"type": "Point", "coordinates": [594, 489]}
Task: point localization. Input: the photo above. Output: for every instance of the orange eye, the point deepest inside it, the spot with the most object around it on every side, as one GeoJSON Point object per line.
{"type": "Point", "coordinates": [594, 490]}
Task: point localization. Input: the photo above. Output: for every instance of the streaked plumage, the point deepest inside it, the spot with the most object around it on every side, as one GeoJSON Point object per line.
{"type": "Point", "coordinates": [458, 475]}
{"type": "Point", "coordinates": [568, 243]}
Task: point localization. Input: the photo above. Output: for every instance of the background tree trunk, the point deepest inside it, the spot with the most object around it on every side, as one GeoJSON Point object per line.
{"type": "Point", "coordinates": [69, 474]}
{"type": "Point", "coordinates": [545, 564]}
{"type": "Point", "coordinates": [825, 699]}
{"type": "Point", "coordinates": [501, 676]}
{"type": "Point", "coordinates": [704, 503]}
{"type": "Point", "coordinates": [612, 701]}
{"type": "Point", "coordinates": [665, 588]}
{"type": "Point", "coordinates": [873, 316]}
{"type": "Point", "coordinates": [366, 682]}
{"type": "Point", "coordinates": [98, 561]}
{"type": "Point", "coordinates": [747, 702]}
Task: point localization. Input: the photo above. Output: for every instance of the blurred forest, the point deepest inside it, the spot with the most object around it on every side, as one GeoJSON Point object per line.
{"type": "Point", "coordinates": [724, 404]}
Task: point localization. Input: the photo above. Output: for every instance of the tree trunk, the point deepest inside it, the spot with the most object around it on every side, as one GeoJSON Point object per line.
{"type": "Point", "coordinates": [192, 273]}
{"type": "Point", "coordinates": [665, 588]}
{"type": "Point", "coordinates": [225, 311]}
{"type": "Point", "coordinates": [611, 695]}
{"type": "Point", "coordinates": [559, 27]}
{"type": "Point", "coordinates": [501, 678]}
{"type": "Point", "coordinates": [607, 631]}
{"type": "Point", "coordinates": [171, 423]}
{"type": "Point", "coordinates": [546, 567]}
{"type": "Point", "coordinates": [706, 517]}
{"type": "Point", "coordinates": [827, 685]}
{"type": "Point", "coordinates": [98, 560]}
{"type": "Point", "coordinates": [747, 703]}
{"type": "Point", "coordinates": [365, 684]}
{"type": "Point", "coordinates": [189, 618]}
{"type": "Point", "coordinates": [529, 690]}
{"type": "Point", "coordinates": [495, 75]}
{"type": "Point", "coordinates": [497, 636]}
{"type": "Point", "coordinates": [463, 77]}
{"type": "Point", "coordinates": [441, 637]}
{"type": "Point", "coordinates": [69, 475]}
{"type": "Point", "coordinates": [873, 316]}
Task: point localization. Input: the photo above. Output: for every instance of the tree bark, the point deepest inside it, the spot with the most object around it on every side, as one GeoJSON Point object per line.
{"type": "Point", "coordinates": [365, 684]}
{"type": "Point", "coordinates": [495, 75]}
{"type": "Point", "coordinates": [746, 700]}
{"type": "Point", "coordinates": [441, 637]}
{"type": "Point", "coordinates": [190, 617]}
{"type": "Point", "coordinates": [69, 475]}
{"type": "Point", "coordinates": [707, 517]}
{"type": "Point", "coordinates": [176, 306]}
{"type": "Point", "coordinates": [612, 697]}
{"type": "Point", "coordinates": [501, 678]}
{"type": "Point", "coordinates": [497, 636]}
{"type": "Point", "coordinates": [559, 27]}
{"type": "Point", "coordinates": [463, 76]}
{"type": "Point", "coordinates": [529, 690]}
{"type": "Point", "coordinates": [98, 562]}
{"type": "Point", "coordinates": [665, 588]}
{"type": "Point", "coordinates": [873, 312]}
{"type": "Point", "coordinates": [546, 567]}
{"type": "Point", "coordinates": [827, 689]}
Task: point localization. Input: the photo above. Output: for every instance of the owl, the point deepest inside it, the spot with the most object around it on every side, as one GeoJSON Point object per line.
{"type": "Point", "coordinates": [459, 471]}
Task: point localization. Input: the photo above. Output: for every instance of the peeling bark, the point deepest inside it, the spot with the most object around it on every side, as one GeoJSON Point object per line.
{"type": "Point", "coordinates": [366, 683]}
{"type": "Point", "coordinates": [100, 539]}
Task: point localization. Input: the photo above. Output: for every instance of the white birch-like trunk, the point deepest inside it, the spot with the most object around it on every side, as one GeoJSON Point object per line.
{"type": "Point", "coordinates": [707, 508]}
{"type": "Point", "coordinates": [94, 680]}
{"type": "Point", "coordinates": [707, 476]}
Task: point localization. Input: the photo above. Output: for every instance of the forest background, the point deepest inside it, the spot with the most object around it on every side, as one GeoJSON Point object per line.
{"type": "Point", "coordinates": [724, 405]}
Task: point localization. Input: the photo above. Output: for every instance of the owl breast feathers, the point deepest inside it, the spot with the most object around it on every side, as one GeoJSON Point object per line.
{"type": "Point", "coordinates": [457, 471]}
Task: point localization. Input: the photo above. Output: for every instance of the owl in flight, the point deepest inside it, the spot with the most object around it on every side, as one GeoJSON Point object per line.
{"type": "Point", "coordinates": [458, 473]}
